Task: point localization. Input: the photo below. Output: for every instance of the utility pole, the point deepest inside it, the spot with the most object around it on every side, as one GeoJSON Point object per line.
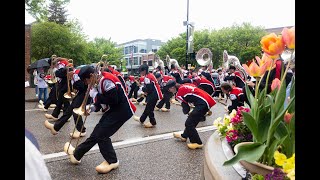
{"type": "Point", "coordinates": [187, 37]}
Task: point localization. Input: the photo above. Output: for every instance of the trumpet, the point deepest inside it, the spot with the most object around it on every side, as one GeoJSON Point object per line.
{"type": "Point", "coordinates": [69, 94]}
{"type": "Point", "coordinates": [53, 78]}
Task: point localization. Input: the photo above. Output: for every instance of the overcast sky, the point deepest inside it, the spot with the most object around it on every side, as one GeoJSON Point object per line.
{"type": "Point", "coordinates": [126, 20]}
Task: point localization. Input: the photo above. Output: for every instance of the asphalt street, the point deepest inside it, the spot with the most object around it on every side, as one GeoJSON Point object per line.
{"type": "Point", "coordinates": [144, 153]}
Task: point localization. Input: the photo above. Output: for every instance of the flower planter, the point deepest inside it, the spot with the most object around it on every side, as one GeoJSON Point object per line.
{"type": "Point", "coordinates": [254, 167]}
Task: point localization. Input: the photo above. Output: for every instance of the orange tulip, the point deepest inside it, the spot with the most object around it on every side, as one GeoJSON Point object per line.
{"type": "Point", "coordinates": [273, 45]}
{"type": "Point", "coordinates": [265, 61]}
{"type": "Point", "coordinates": [288, 37]}
{"type": "Point", "coordinates": [287, 117]}
{"type": "Point", "coordinates": [254, 70]}
{"type": "Point", "coordinates": [275, 84]}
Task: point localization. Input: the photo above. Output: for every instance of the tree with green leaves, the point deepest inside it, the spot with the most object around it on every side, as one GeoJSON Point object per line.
{"type": "Point", "coordinates": [37, 9]}
{"type": "Point", "coordinates": [57, 12]}
{"type": "Point", "coordinates": [242, 41]}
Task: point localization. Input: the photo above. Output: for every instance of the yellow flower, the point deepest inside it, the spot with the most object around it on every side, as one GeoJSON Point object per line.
{"type": "Point", "coordinates": [280, 158]}
{"type": "Point", "coordinates": [289, 164]}
{"type": "Point", "coordinates": [233, 113]}
{"type": "Point", "coordinates": [217, 122]}
{"type": "Point", "coordinates": [291, 174]}
{"type": "Point", "coordinates": [230, 127]}
{"type": "Point", "coordinates": [226, 120]}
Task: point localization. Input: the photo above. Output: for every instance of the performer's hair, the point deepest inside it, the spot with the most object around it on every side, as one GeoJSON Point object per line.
{"type": "Point", "coordinates": [226, 86]}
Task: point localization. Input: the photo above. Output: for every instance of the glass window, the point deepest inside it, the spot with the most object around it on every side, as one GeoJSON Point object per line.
{"type": "Point", "coordinates": [135, 61]}
{"type": "Point", "coordinates": [149, 62]}
{"type": "Point", "coordinates": [126, 50]}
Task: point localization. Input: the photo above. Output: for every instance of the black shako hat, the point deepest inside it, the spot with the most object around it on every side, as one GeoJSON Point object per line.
{"type": "Point", "coordinates": [170, 84]}
{"type": "Point", "coordinates": [144, 67]}
{"type": "Point", "coordinates": [85, 72]}
{"type": "Point", "coordinates": [186, 80]}
{"type": "Point", "coordinates": [157, 75]}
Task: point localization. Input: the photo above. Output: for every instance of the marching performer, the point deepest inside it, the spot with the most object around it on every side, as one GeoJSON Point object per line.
{"type": "Point", "coordinates": [110, 93]}
{"type": "Point", "coordinates": [81, 87]}
{"type": "Point", "coordinates": [202, 101]}
{"type": "Point", "coordinates": [164, 79]}
{"type": "Point", "coordinates": [204, 84]}
{"type": "Point", "coordinates": [175, 73]}
{"type": "Point", "coordinates": [134, 88]}
{"type": "Point", "coordinates": [235, 94]}
{"type": "Point", "coordinates": [153, 92]}
{"type": "Point", "coordinates": [235, 77]}
{"type": "Point", "coordinates": [61, 74]}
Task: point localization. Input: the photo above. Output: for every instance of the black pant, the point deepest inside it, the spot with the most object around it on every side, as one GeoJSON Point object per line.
{"type": "Point", "coordinates": [148, 111]}
{"type": "Point", "coordinates": [76, 103]}
{"type": "Point", "coordinates": [165, 100]}
{"type": "Point", "coordinates": [134, 90]}
{"type": "Point", "coordinates": [101, 134]}
{"type": "Point", "coordinates": [52, 99]}
{"type": "Point", "coordinates": [192, 121]}
{"type": "Point", "coordinates": [61, 101]}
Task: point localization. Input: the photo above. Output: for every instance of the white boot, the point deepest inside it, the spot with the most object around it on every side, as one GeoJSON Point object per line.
{"type": "Point", "coordinates": [73, 160]}
{"type": "Point", "coordinates": [49, 116]}
{"type": "Point", "coordinates": [50, 127]}
{"type": "Point", "coordinates": [77, 134]}
{"type": "Point", "coordinates": [105, 167]}
{"type": "Point", "coordinates": [66, 150]}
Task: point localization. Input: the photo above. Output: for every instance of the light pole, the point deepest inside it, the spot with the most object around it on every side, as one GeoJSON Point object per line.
{"type": "Point", "coordinates": [187, 38]}
{"type": "Point", "coordinates": [132, 50]}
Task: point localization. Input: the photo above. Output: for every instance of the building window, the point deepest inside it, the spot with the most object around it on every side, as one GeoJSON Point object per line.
{"type": "Point", "coordinates": [135, 61]}
{"type": "Point", "coordinates": [127, 61]}
{"type": "Point", "coordinates": [126, 50]}
{"type": "Point", "coordinates": [154, 50]}
{"type": "Point", "coordinates": [149, 62]}
{"type": "Point", "coordinates": [143, 51]}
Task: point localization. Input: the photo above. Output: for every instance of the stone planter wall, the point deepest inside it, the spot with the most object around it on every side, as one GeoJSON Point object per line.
{"type": "Point", "coordinates": [213, 162]}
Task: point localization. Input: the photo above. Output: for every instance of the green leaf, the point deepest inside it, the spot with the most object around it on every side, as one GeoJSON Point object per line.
{"type": "Point", "coordinates": [251, 124]}
{"type": "Point", "coordinates": [250, 97]}
{"type": "Point", "coordinates": [281, 131]}
{"type": "Point", "coordinates": [263, 125]}
{"type": "Point", "coordinates": [292, 89]}
{"type": "Point", "coordinates": [248, 152]}
{"type": "Point", "coordinates": [272, 148]}
{"type": "Point", "coordinates": [280, 97]}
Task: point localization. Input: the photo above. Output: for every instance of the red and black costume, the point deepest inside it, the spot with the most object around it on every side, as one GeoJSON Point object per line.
{"type": "Point", "coordinates": [61, 74]}
{"type": "Point", "coordinates": [237, 98]}
{"type": "Point", "coordinates": [204, 84]}
{"type": "Point", "coordinates": [109, 93]}
{"type": "Point", "coordinates": [153, 91]}
{"type": "Point", "coordinates": [165, 90]}
{"type": "Point", "coordinates": [134, 88]}
{"type": "Point", "coordinates": [202, 101]}
{"type": "Point", "coordinates": [236, 78]}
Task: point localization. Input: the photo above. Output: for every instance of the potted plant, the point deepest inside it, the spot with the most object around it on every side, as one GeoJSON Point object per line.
{"type": "Point", "coordinates": [270, 122]}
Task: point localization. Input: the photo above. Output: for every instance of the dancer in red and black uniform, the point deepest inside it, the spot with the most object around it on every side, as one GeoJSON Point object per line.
{"type": "Point", "coordinates": [81, 87]}
{"type": "Point", "coordinates": [235, 94]}
{"type": "Point", "coordinates": [153, 92]}
{"type": "Point", "coordinates": [203, 102]}
{"type": "Point", "coordinates": [109, 93]}
{"type": "Point", "coordinates": [204, 84]}
{"type": "Point", "coordinates": [235, 77]}
{"type": "Point", "coordinates": [164, 79]}
{"type": "Point", "coordinates": [61, 74]}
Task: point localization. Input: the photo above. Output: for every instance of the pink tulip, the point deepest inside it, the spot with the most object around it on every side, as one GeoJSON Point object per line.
{"type": "Point", "coordinates": [273, 45]}
{"type": "Point", "coordinates": [254, 70]}
{"type": "Point", "coordinates": [275, 84]}
{"type": "Point", "coordinates": [288, 117]}
{"type": "Point", "coordinates": [288, 37]}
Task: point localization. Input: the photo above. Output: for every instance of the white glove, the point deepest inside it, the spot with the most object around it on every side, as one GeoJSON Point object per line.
{"type": "Point", "coordinates": [93, 92]}
{"type": "Point", "coordinates": [90, 108]}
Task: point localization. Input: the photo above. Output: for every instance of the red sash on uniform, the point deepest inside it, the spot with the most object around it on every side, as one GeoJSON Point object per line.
{"type": "Point", "coordinates": [236, 91]}
{"type": "Point", "coordinates": [191, 89]}
{"type": "Point", "coordinates": [116, 81]}
{"type": "Point", "coordinates": [156, 85]}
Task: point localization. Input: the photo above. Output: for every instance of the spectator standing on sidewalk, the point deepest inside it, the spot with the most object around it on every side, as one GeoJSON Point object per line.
{"type": "Point", "coordinates": [35, 81]}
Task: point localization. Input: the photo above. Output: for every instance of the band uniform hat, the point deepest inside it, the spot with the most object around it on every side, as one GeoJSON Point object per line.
{"type": "Point", "coordinates": [170, 84]}
{"type": "Point", "coordinates": [144, 67]}
{"type": "Point", "coordinates": [157, 75]}
{"type": "Point", "coordinates": [186, 80]}
{"type": "Point", "coordinates": [85, 72]}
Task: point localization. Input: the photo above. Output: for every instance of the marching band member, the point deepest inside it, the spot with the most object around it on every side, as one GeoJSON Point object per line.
{"type": "Point", "coordinates": [202, 101]}
{"type": "Point", "coordinates": [140, 92]}
{"type": "Point", "coordinates": [134, 88]}
{"type": "Point", "coordinates": [153, 92]}
{"type": "Point", "coordinates": [175, 73]}
{"type": "Point", "coordinates": [109, 93]}
{"type": "Point", "coordinates": [235, 77]}
{"type": "Point", "coordinates": [81, 87]}
{"type": "Point", "coordinates": [61, 74]}
{"type": "Point", "coordinates": [164, 79]}
{"type": "Point", "coordinates": [118, 75]}
{"type": "Point", "coordinates": [204, 84]}
{"type": "Point", "coordinates": [235, 94]}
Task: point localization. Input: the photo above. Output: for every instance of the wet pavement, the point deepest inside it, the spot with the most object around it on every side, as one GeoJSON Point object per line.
{"type": "Point", "coordinates": [165, 158]}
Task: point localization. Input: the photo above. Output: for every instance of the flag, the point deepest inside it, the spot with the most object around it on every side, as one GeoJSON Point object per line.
{"type": "Point", "coordinates": [131, 56]}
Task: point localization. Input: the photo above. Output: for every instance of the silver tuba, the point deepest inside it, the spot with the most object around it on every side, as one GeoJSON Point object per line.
{"type": "Point", "coordinates": [172, 61]}
{"type": "Point", "coordinates": [233, 61]}
{"type": "Point", "coordinates": [204, 57]}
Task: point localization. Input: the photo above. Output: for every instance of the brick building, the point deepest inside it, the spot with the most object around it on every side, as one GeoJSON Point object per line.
{"type": "Point", "coordinates": [27, 55]}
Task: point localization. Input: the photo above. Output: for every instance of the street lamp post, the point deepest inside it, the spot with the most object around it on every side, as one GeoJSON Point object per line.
{"type": "Point", "coordinates": [187, 34]}
{"type": "Point", "coordinates": [132, 50]}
